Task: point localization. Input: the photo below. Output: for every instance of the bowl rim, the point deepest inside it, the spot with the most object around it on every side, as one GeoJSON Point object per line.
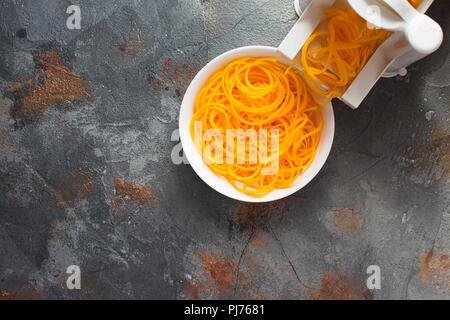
{"type": "Point", "coordinates": [219, 183]}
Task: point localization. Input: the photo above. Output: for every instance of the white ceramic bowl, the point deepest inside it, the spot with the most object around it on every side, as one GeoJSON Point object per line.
{"type": "Point", "coordinates": [219, 183]}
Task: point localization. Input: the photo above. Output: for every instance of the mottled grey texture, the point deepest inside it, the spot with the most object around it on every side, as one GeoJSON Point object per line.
{"type": "Point", "coordinates": [382, 197]}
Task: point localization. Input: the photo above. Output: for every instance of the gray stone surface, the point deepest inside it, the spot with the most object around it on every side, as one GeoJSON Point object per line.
{"type": "Point", "coordinates": [381, 199]}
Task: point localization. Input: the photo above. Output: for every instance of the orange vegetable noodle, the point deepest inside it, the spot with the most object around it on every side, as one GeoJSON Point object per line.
{"type": "Point", "coordinates": [279, 119]}
{"type": "Point", "coordinates": [415, 3]}
{"type": "Point", "coordinates": [332, 57]}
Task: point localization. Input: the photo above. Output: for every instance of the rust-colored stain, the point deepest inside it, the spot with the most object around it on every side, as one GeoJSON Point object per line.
{"type": "Point", "coordinates": [26, 293]}
{"type": "Point", "coordinates": [172, 77]}
{"type": "Point", "coordinates": [346, 221]}
{"type": "Point", "coordinates": [193, 289]}
{"type": "Point", "coordinates": [129, 51]}
{"type": "Point", "coordinates": [136, 192]}
{"type": "Point", "coordinates": [219, 270]}
{"type": "Point", "coordinates": [61, 118]}
{"type": "Point", "coordinates": [258, 243]}
{"type": "Point", "coordinates": [169, 63]}
{"type": "Point", "coordinates": [251, 216]}
{"type": "Point", "coordinates": [336, 286]}
{"type": "Point", "coordinates": [74, 186]}
{"type": "Point", "coordinates": [441, 142]}
{"type": "Point", "coordinates": [5, 295]}
{"type": "Point", "coordinates": [434, 268]}
{"type": "Point", "coordinates": [133, 46]}
{"type": "Point", "coordinates": [216, 277]}
{"type": "Point", "coordinates": [224, 275]}
{"type": "Point", "coordinates": [55, 84]}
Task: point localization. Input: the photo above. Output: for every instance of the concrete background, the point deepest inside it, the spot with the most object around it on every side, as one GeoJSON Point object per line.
{"type": "Point", "coordinates": [88, 123]}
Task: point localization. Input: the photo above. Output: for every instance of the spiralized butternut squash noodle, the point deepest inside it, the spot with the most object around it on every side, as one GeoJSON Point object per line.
{"type": "Point", "coordinates": [415, 3]}
{"type": "Point", "coordinates": [332, 57]}
{"type": "Point", "coordinates": [263, 95]}
{"type": "Point", "coordinates": [335, 53]}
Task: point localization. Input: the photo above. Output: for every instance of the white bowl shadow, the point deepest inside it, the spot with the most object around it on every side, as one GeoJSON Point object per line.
{"type": "Point", "coordinates": [219, 183]}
